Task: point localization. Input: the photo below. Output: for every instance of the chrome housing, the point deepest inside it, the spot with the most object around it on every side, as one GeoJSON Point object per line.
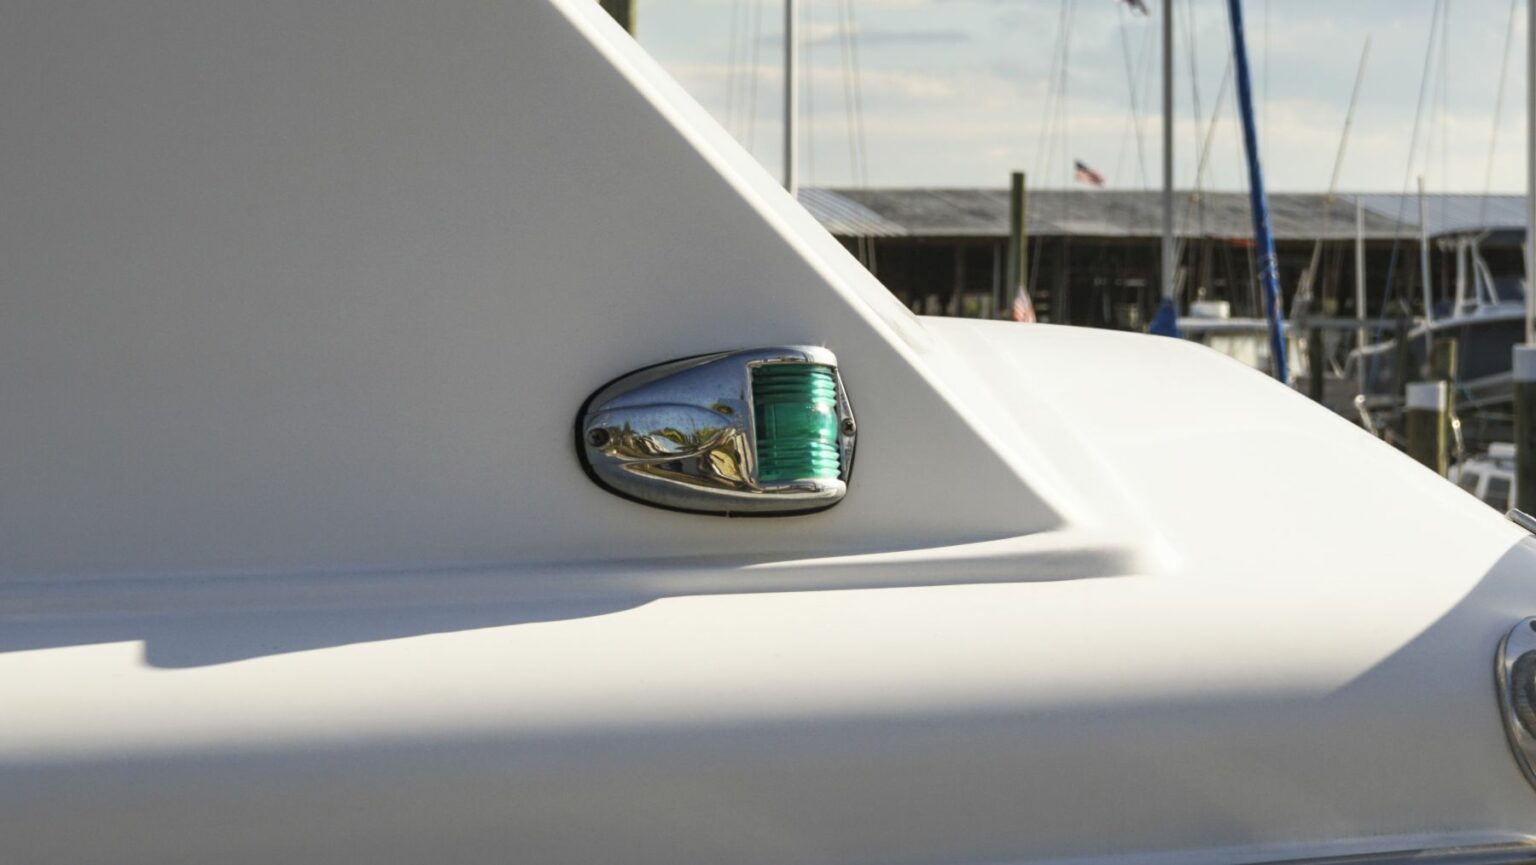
{"type": "Point", "coordinates": [1516, 672]}
{"type": "Point", "coordinates": [680, 435]}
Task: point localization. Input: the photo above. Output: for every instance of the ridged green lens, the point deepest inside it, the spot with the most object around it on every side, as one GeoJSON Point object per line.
{"type": "Point", "coordinates": [795, 407]}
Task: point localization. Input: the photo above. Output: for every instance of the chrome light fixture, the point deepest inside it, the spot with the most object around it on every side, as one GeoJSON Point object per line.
{"type": "Point", "coordinates": [744, 433]}
{"type": "Point", "coordinates": [1516, 673]}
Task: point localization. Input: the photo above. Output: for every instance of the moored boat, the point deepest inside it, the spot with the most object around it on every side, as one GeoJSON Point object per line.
{"type": "Point", "coordinates": [1475, 332]}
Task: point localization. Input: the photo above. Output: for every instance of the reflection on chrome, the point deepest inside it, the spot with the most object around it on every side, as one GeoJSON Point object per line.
{"type": "Point", "coordinates": [1516, 673]}
{"type": "Point", "coordinates": [681, 435]}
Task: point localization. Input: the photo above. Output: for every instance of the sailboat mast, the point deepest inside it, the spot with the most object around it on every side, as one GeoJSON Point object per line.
{"type": "Point", "coordinates": [1169, 260]}
{"type": "Point", "coordinates": [1264, 239]}
{"type": "Point", "coordinates": [1523, 359]}
{"type": "Point", "coordinates": [791, 98]}
{"type": "Point", "coordinates": [1165, 322]}
{"type": "Point", "coordinates": [1362, 334]}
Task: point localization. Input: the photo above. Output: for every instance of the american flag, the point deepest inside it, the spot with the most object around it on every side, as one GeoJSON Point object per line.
{"type": "Point", "coordinates": [1138, 5]}
{"type": "Point", "coordinates": [1023, 311]}
{"type": "Point", "coordinates": [1084, 174]}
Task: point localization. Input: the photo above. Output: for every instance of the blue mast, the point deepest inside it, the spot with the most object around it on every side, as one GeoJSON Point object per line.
{"type": "Point", "coordinates": [1269, 272]}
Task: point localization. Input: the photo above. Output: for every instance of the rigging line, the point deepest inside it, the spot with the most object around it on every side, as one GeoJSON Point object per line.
{"type": "Point", "coordinates": [1191, 49]}
{"type": "Point", "coordinates": [1045, 138]}
{"type": "Point", "coordinates": [1204, 160]}
{"type": "Point", "coordinates": [1444, 85]}
{"type": "Point", "coordinates": [732, 81]}
{"type": "Point", "coordinates": [1210, 132]}
{"type": "Point", "coordinates": [1498, 112]}
{"type": "Point", "coordinates": [1144, 80]}
{"type": "Point", "coordinates": [1056, 112]}
{"type": "Point", "coordinates": [1064, 273]}
{"type": "Point", "coordinates": [1309, 276]}
{"type": "Point", "coordinates": [1349, 121]}
{"type": "Point", "coordinates": [1053, 145]}
{"type": "Point", "coordinates": [1058, 142]}
{"type": "Point", "coordinates": [1050, 101]}
{"type": "Point", "coordinates": [1131, 94]}
{"type": "Point", "coordinates": [1413, 148]}
{"type": "Point", "coordinates": [847, 77]}
{"type": "Point", "coordinates": [1131, 88]}
{"type": "Point", "coordinates": [1133, 120]}
{"type": "Point", "coordinates": [1446, 105]}
{"type": "Point", "coordinates": [754, 72]}
{"type": "Point", "coordinates": [808, 83]}
{"type": "Point", "coordinates": [1064, 103]}
{"type": "Point", "coordinates": [1208, 140]}
{"type": "Point", "coordinates": [858, 99]}
{"type": "Point", "coordinates": [1047, 156]}
{"type": "Point", "coordinates": [1265, 110]}
{"type": "Point", "coordinates": [853, 115]}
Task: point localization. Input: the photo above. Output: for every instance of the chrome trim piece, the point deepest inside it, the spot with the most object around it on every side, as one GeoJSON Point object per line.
{"type": "Point", "coordinates": [1521, 519]}
{"type": "Point", "coordinates": [1516, 674]}
{"type": "Point", "coordinates": [1520, 853]}
{"type": "Point", "coordinates": [680, 435]}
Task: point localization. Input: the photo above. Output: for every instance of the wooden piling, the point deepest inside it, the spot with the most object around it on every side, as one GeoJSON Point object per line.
{"type": "Point", "coordinates": [1443, 363]}
{"type": "Point", "coordinates": [1442, 359]}
{"type": "Point", "coordinates": [1428, 424]}
{"type": "Point", "coordinates": [1018, 239]}
{"type": "Point", "coordinates": [1316, 360]}
{"type": "Point", "coordinates": [1525, 426]}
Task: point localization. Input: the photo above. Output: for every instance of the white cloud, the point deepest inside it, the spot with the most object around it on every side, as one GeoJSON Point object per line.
{"type": "Point", "coordinates": [965, 108]}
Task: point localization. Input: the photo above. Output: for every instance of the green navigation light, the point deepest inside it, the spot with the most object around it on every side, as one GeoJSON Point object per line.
{"type": "Point", "coordinates": [795, 409]}
{"type": "Point", "coordinates": [752, 432]}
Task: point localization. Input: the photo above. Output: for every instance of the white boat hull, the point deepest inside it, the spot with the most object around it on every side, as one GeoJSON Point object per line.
{"type": "Point", "coordinates": [297, 561]}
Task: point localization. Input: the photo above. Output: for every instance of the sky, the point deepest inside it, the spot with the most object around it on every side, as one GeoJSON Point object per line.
{"type": "Point", "coordinates": [959, 93]}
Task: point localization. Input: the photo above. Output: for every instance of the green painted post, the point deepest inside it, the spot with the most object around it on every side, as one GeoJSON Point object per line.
{"type": "Point", "coordinates": [1425, 406]}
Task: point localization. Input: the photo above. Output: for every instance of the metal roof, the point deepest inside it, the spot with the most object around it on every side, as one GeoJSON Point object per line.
{"type": "Point", "coordinates": [842, 215]}
{"type": "Point", "coordinates": [1138, 214]}
{"type": "Point", "coordinates": [1454, 212]}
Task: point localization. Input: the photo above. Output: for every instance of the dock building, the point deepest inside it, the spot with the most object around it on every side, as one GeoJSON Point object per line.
{"type": "Point", "coordinates": [1093, 254]}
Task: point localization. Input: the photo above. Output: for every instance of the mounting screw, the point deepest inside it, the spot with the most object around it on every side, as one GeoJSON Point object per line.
{"type": "Point", "coordinates": [848, 427]}
{"type": "Point", "coordinates": [597, 437]}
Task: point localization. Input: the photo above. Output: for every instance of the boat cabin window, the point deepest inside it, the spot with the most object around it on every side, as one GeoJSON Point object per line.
{"type": "Point", "coordinates": [1469, 481]}
{"type": "Point", "coordinates": [1509, 288]}
{"type": "Point", "coordinates": [1498, 492]}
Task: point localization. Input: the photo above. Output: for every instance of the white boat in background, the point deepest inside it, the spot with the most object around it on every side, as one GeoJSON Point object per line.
{"type": "Point", "coordinates": [1489, 476]}
{"type": "Point", "coordinates": [1244, 339]}
{"type": "Point", "coordinates": [344, 348]}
